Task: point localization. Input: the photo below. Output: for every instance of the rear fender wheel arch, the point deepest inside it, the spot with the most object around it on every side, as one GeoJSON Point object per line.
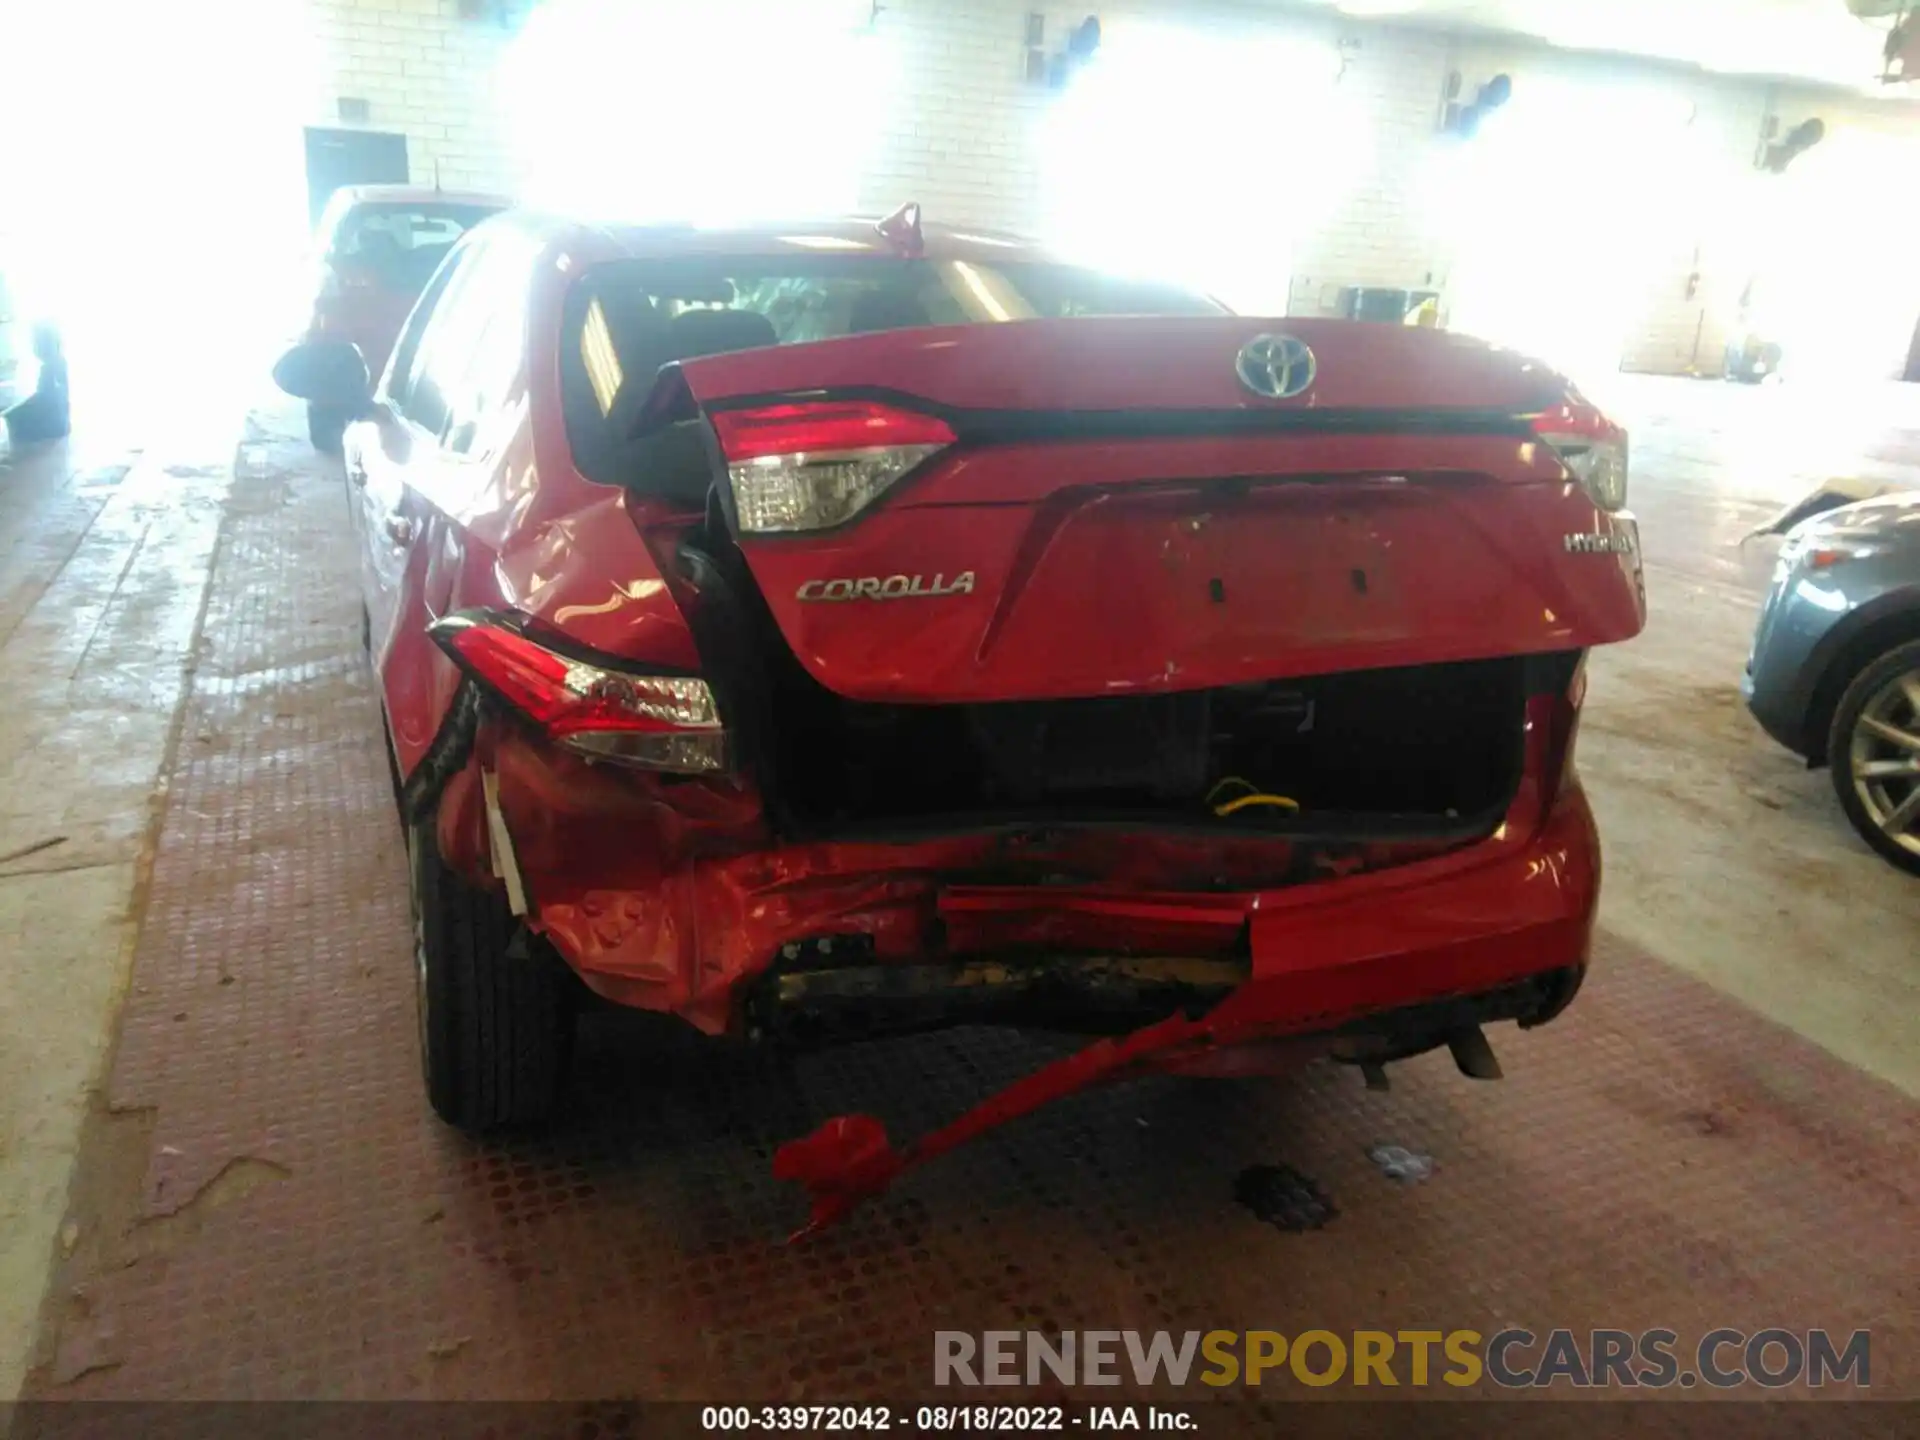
{"type": "Point", "coordinates": [1871, 636]}
{"type": "Point", "coordinates": [496, 1014]}
{"type": "Point", "coordinates": [1883, 807]}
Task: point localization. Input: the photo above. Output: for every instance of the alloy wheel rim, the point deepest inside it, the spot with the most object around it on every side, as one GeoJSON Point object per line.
{"type": "Point", "coordinates": [420, 985]}
{"type": "Point", "coordinates": [1884, 758]}
{"type": "Point", "coordinates": [420, 1001]}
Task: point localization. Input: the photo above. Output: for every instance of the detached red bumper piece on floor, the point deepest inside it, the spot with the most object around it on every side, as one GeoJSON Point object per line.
{"type": "Point", "coordinates": [1321, 964]}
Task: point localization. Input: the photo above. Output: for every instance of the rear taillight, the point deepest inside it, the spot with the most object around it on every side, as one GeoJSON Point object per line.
{"type": "Point", "coordinates": [812, 465]}
{"type": "Point", "coordinates": [332, 287]}
{"type": "Point", "coordinates": [1591, 446]}
{"type": "Point", "coordinates": [599, 707]}
{"type": "Point", "coordinates": [338, 277]}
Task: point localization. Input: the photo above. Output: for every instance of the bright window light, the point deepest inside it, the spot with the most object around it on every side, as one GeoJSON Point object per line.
{"type": "Point", "coordinates": [600, 358]}
{"type": "Point", "coordinates": [823, 242]}
{"type": "Point", "coordinates": [1544, 259]}
{"type": "Point", "coordinates": [721, 112]}
{"type": "Point", "coordinates": [1200, 158]}
{"type": "Point", "coordinates": [1821, 245]}
{"type": "Point", "coordinates": [157, 194]}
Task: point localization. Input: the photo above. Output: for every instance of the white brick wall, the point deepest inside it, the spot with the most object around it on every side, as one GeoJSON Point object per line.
{"type": "Point", "coordinates": [423, 72]}
{"type": "Point", "coordinates": [964, 135]}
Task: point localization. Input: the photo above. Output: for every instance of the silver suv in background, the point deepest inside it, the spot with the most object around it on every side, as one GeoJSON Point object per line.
{"type": "Point", "coordinates": [33, 368]}
{"type": "Point", "coordinates": [1835, 670]}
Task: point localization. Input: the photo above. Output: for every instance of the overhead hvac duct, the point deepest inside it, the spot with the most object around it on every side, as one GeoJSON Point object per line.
{"type": "Point", "coordinates": [1902, 52]}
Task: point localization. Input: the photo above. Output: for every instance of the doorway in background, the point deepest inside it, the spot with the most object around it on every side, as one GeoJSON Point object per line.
{"type": "Point", "coordinates": [1575, 284]}
{"type": "Point", "coordinates": [351, 157]}
{"type": "Point", "coordinates": [1832, 260]}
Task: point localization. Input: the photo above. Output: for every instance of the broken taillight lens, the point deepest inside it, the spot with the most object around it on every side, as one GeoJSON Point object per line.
{"type": "Point", "coordinates": [1591, 446]}
{"type": "Point", "coordinates": [598, 708]}
{"type": "Point", "coordinates": [815, 464]}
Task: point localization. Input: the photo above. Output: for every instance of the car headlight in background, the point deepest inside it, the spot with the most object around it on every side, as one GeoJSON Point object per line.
{"type": "Point", "coordinates": [1815, 551]}
{"type": "Point", "coordinates": [1827, 554]}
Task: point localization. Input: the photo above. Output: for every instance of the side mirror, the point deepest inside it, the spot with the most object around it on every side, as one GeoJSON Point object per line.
{"type": "Point", "coordinates": [328, 373]}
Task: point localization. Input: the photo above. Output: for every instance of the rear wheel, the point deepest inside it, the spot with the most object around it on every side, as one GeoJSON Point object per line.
{"type": "Point", "coordinates": [496, 1019]}
{"type": "Point", "coordinates": [1874, 752]}
{"type": "Point", "coordinates": [325, 427]}
{"type": "Point", "coordinates": [47, 415]}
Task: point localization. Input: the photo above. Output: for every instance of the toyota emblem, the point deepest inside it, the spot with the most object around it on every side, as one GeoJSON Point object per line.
{"type": "Point", "coordinates": [1276, 366]}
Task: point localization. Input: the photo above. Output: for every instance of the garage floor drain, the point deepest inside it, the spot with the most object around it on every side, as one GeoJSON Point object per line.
{"type": "Point", "coordinates": [1397, 1162]}
{"type": "Point", "coordinates": [1283, 1197]}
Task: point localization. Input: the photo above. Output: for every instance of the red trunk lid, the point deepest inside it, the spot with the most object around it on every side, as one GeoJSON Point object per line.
{"type": "Point", "coordinates": [1122, 513]}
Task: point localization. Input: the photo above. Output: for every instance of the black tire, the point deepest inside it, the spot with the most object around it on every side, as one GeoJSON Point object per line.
{"type": "Point", "coordinates": [48, 415]}
{"type": "Point", "coordinates": [496, 1019]}
{"type": "Point", "coordinates": [324, 428]}
{"type": "Point", "coordinates": [1866, 689]}
{"type": "Point", "coordinates": [393, 778]}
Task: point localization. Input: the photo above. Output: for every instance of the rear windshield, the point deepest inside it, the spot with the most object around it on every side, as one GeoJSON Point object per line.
{"type": "Point", "coordinates": [621, 323]}
{"type": "Point", "coordinates": [401, 245]}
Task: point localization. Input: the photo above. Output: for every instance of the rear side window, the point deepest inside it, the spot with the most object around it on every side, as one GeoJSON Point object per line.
{"type": "Point", "coordinates": [467, 361]}
{"type": "Point", "coordinates": [416, 392]}
{"type": "Point", "coordinates": [626, 319]}
{"type": "Point", "coordinates": [478, 365]}
{"type": "Point", "coordinates": [404, 366]}
{"type": "Point", "coordinates": [401, 245]}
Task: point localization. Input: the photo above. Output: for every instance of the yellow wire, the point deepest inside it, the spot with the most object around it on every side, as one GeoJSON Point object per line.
{"type": "Point", "coordinates": [1254, 796]}
{"type": "Point", "coordinates": [1227, 780]}
{"type": "Point", "coordinates": [1248, 801]}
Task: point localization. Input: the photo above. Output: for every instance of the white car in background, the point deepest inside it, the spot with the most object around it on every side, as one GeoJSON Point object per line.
{"type": "Point", "coordinates": [33, 369]}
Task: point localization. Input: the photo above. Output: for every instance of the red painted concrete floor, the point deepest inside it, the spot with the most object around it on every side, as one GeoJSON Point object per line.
{"type": "Point", "coordinates": [265, 1208]}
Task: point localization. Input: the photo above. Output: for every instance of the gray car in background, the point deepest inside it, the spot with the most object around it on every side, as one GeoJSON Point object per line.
{"type": "Point", "coordinates": [33, 370]}
{"type": "Point", "coordinates": [1835, 669]}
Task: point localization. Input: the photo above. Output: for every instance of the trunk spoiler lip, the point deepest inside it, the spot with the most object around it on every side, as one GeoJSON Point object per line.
{"type": "Point", "coordinates": [984, 425]}
{"type": "Point", "coordinates": [675, 418]}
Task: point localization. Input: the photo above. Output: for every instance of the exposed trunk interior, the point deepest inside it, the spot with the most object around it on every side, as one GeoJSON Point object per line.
{"type": "Point", "coordinates": [1419, 751]}
{"type": "Point", "coordinates": [1439, 741]}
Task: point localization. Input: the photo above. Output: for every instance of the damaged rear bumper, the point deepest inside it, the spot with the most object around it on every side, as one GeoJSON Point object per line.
{"type": "Point", "coordinates": [686, 905]}
{"type": "Point", "coordinates": [1370, 965]}
{"type": "Point", "coordinates": [1377, 969]}
{"type": "Point", "coordinates": [1373, 978]}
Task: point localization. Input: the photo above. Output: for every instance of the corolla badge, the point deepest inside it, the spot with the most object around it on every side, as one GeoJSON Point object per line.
{"type": "Point", "coordinates": [887, 587]}
{"type": "Point", "coordinates": [1276, 366]}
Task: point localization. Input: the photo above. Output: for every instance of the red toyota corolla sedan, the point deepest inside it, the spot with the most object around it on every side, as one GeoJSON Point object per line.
{"type": "Point", "coordinates": [824, 631]}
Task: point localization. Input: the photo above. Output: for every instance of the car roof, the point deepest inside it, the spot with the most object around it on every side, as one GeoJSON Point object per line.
{"type": "Point", "coordinates": [350, 195]}
{"type": "Point", "coordinates": [589, 243]}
